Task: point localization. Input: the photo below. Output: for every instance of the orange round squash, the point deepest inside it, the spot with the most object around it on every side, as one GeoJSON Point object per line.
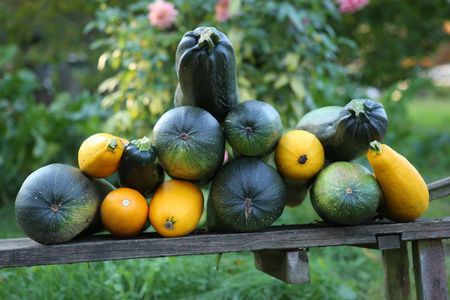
{"type": "Point", "coordinates": [299, 155]}
{"type": "Point", "coordinates": [405, 193]}
{"type": "Point", "coordinates": [99, 155]}
{"type": "Point", "coordinates": [176, 208]}
{"type": "Point", "coordinates": [124, 212]}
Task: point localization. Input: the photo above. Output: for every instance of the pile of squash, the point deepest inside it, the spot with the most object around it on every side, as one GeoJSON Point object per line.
{"type": "Point", "coordinates": [162, 179]}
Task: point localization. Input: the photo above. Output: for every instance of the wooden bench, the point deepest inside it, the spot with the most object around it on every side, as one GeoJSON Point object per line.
{"type": "Point", "coordinates": [280, 251]}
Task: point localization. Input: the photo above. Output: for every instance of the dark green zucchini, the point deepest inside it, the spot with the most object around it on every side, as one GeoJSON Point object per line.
{"type": "Point", "coordinates": [364, 121]}
{"type": "Point", "coordinates": [345, 132]}
{"type": "Point", "coordinates": [206, 70]}
{"type": "Point", "coordinates": [322, 122]}
{"type": "Point", "coordinates": [138, 168]}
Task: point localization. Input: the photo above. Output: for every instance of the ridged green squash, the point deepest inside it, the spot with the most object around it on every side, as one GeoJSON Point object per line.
{"type": "Point", "coordinates": [247, 194]}
{"type": "Point", "coordinates": [206, 70]}
{"type": "Point", "coordinates": [138, 168]}
{"type": "Point", "coordinates": [345, 132]}
{"type": "Point", "coordinates": [189, 143]}
{"type": "Point", "coordinates": [345, 193]}
{"type": "Point", "coordinates": [364, 121]}
{"type": "Point", "coordinates": [58, 202]}
{"type": "Point", "coordinates": [253, 128]}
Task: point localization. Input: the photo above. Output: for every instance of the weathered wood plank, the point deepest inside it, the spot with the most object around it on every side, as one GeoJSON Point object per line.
{"type": "Point", "coordinates": [439, 189]}
{"type": "Point", "coordinates": [290, 265]}
{"type": "Point", "coordinates": [396, 273]}
{"type": "Point", "coordinates": [389, 241]}
{"type": "Point", "coordinates": [429, 269]}
{"type": "Point", "coordinates": [25, 252]}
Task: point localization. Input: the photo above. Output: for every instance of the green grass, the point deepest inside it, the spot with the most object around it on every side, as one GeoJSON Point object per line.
{"type": "Point", "coordinates": [336, 272]}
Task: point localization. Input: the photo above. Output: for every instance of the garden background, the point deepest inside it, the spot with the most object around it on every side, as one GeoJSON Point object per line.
{"type": "Point", "coordinates": [69, 69]}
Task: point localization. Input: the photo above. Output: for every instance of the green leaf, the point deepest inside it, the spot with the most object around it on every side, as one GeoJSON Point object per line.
{"type": "Point", "coordinates": [297, 87]}
{"type": "Point", "coordinates": [282, 81]}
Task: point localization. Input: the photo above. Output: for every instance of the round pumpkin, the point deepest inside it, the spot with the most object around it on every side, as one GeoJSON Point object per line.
{"type": "Point", "coordinates": [124, 212]}
{"type": "Point", "coordinates": [189, 143]}
{"type": "Point", "coordinates": [58, 202]}
{"type": "Point", "coordinates": [99, 155]}
{"type": "Point", "coordinates": [253, 128]}
{"type": "Point", "coordinates": [299, 155]}
{"type": "Point", "coordinates": [176, 208]}
{"type": "Point", "coordinates": [345, 193]}
{"type": "Point", "coordinates": [247, 194]}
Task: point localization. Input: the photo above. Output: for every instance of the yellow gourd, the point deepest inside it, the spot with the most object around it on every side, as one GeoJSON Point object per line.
{"type": "Point", "coordinates": [405, 193]}
{"type": "Point", "coordinates": [299, 155]}
{"type": "Point", "coordinates": [99, 155]}
{"type": "Point", "coordinates": [176, 208]}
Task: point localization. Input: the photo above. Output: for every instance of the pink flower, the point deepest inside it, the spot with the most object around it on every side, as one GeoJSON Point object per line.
{"type": "Point", "coordinates": [222, 10]}
{"type": "Point", "coordinates": [162, 14]}
{"type": "Point", "coordinates": [350, 6]}
{"type": "Point", "coordinates": [225, 157]}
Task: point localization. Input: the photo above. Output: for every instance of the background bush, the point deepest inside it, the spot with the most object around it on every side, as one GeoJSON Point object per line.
{"type": "Point", "coordinates": [71, 68]}
{"type": "Point", "coordinates": [295, 55]}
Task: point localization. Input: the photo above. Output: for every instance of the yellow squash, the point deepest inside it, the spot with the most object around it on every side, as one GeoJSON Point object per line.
{"type": "Point", "coordinates": [299, 155]}
{"type": "Point", "coordinates": [99, 155]}
{"type": "Point", "coordinates": [176, 208]}
{"type": "Point", "coordinates": [405, 193]}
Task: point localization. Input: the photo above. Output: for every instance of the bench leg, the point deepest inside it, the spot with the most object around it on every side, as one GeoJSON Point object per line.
{"type": "Point", "coordinates": [429, 269]}
{"type": "Point", "coordinates": [396, 273]}
{"type": "Point", "coordinates": [290, 266]}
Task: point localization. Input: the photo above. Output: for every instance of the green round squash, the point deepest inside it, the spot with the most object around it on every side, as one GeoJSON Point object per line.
{"type": "Point", "coordinates": [253, 128]}
{"type": "Point", "coordinates": [58, 202]}
{"type": "Point", "coordinates": [189, 143]}
{"type": "Point", "coordinates": [345, 193]}
{"type": "Point", "coordinates": [247, 194]}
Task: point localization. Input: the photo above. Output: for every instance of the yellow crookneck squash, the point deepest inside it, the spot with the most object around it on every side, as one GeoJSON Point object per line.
{"type": "Point", "coordinates": [405, 193]}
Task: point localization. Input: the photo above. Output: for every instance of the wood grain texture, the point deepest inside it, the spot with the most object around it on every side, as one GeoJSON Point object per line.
{"type": "Point", "coordinates": [429, 270]}
{"type": "Point", "coordinates": [25, 252]}
{"type": "Point", "coordinates": [290, 266]}
{"type": "Point", "coordinates": [439, 189]}
{"type": "Point", "coordinates": [397, 280]}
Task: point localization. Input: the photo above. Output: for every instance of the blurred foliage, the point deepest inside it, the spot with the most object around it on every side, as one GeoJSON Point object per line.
{"type": "Point", "coordinates": [395, 39]}
{"type": "Point", "coordinates": [49, 33]}
{"type": "Point", "coordinates": [287, 56]}
{"type": "Point", "coordinates": [295, 55]}
{"type": "Point", "coordinates": [33, 134]}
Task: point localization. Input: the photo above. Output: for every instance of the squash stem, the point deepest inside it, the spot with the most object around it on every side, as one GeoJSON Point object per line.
{"type": "Point", "coordinates": [375, 148]}
{"type": "Point", "coordinates": [143, 144]}
{"type": "Point", "coordinates": [302, 159]}
{"type": "Point", "coordinates": [358, 108]}
{"type": "Point", "coordinates": [111, 145]}
{"type": "Point", "coordinates": [208, 39]}
{"type": "Point", "coordinates": [248, 208]}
